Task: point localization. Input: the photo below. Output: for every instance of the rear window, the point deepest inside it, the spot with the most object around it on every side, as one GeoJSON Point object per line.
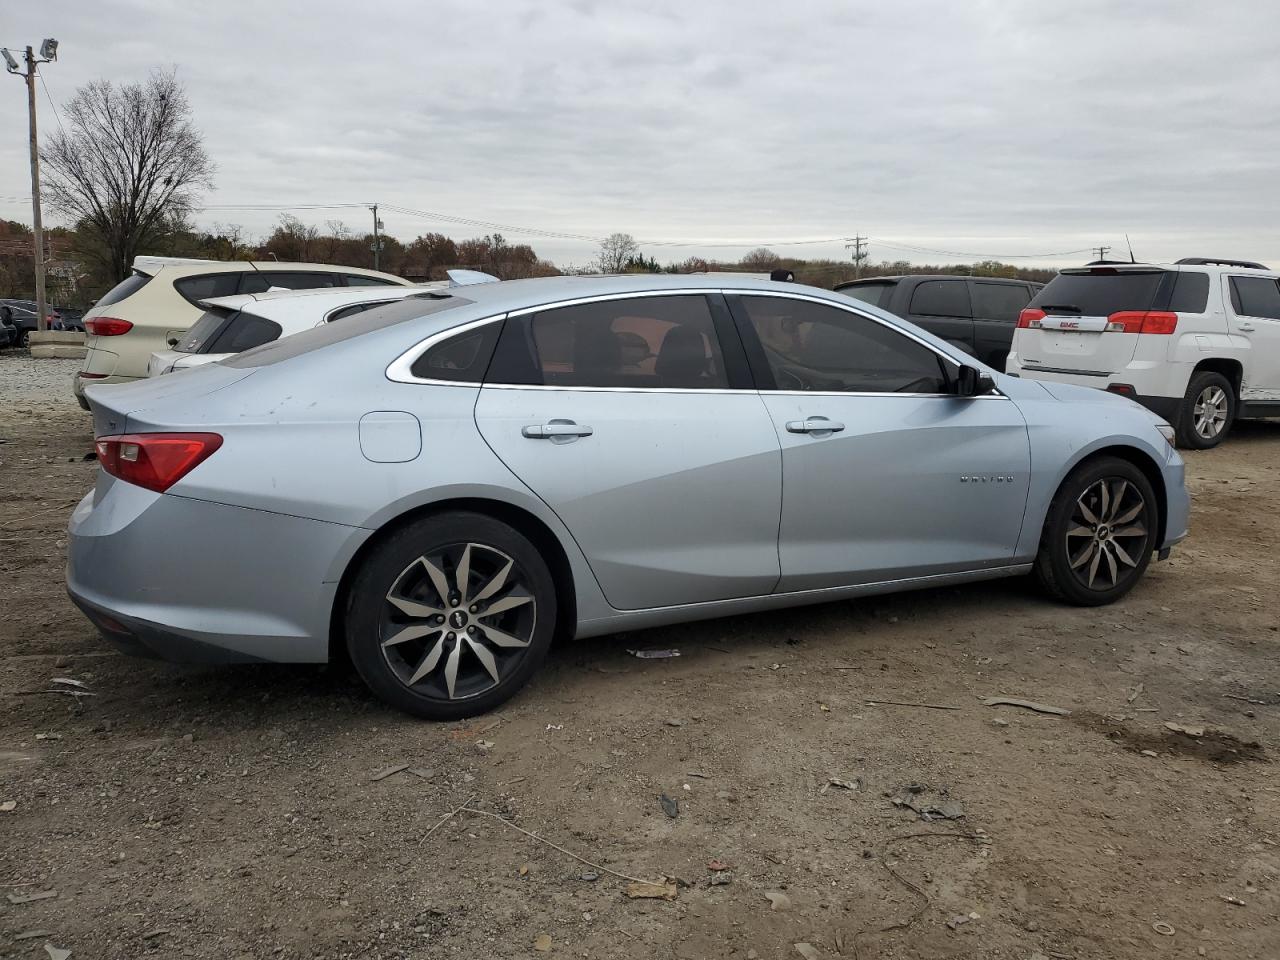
{"type": "Point", "coordinates": [125, 288]}
{"type": "Point", "coordinates": [1100, 294]}
{"type": "Point", "coordinates": [195, 289]}
{"type": "Point", "coordinates": [203, 330]}
{"type": "Point", "coordinates": [872, 293]}
{"type": "Point", "coordinates": [329, 334]}
{"type": "Point", "coordinates": [941, 298]}
{"type": "Point", "coordinates": [244, 332]}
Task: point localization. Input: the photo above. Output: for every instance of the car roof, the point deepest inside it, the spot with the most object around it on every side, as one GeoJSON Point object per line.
{"type": "Point", "coordinates": [897, 277]}
{"type": "Point", "coordinates": [178, 266]}
{"type": "Point", "coordinates": [315, 301]}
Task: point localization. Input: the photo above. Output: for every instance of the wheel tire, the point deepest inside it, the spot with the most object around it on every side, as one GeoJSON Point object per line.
{"type": "Point", "coordinates": [1207, 392]}
{"type": "Point", "coordinates": [1062, 541]}
{"type": "Point", "coordinates": [397, 564]}
{"type": "Point", "coordinates": [24, 338]}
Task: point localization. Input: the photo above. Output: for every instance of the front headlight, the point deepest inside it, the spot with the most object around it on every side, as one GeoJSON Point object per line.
{"type": "Point", "coordinates": [1166, 431]}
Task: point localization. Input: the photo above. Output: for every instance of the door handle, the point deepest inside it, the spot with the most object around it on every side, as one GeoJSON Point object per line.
{"type": "Point", "coordinates": [562, 431]}
{"type": "Point", "coordinates": [814, 425]}
{"type": "Point", "coordinates": [1246, 326]}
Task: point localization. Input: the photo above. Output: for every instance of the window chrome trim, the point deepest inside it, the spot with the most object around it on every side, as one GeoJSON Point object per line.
{"type": "Point", "coordinates": [401, 368]}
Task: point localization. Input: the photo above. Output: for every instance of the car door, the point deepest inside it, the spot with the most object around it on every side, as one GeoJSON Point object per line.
{"type": "Point", "coordinates": [634, 419]}
{"type": "Point", "coordinates": [1255, 315]}
{"type": "Point", "coordinates": [996, 307]}
{"type": "Point", "coordinates": [886, 474]}
{"type": "Point", "coordinates": [942, 307]}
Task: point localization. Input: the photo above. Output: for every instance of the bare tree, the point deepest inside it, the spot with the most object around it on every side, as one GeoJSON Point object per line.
{"type": "Point", "coordinates": [128, 166]}
{"type": "Point", "coordinates": [615, 251]}
{"type": "Point", "coordinates": [761, 260]}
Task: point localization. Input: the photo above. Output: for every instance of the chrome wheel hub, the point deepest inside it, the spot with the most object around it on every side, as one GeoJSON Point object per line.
{"type": "Point", "coordinates": [456, 621]}
{"type": "Point", "coordinates": [1209, 415]}
{"type": "Point", "coordinates": [1108, 533]}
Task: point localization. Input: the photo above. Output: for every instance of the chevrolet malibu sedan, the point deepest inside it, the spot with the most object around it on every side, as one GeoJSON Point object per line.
{"type": "Point", "coordinates": [448, 484]}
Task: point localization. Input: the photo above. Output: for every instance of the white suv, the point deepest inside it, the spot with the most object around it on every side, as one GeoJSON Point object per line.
{"type": "Point", "coordinates": [1197, 341]}
{"type": "Point", "coordinates": [161, 300]}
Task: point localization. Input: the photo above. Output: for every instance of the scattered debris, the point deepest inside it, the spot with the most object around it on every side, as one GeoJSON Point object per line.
{"type": "Point", "coordinates": [700, 776]}
{"type": "Point", "coordinates": [908, 703]}
{"type": "Point", "coordinates": [643, 890]}
{"type": "Point", "coordinates": [555, 726]}
{"type": "Point", "coordinates": [31, 897]}
{"type": "Point", "coordinates": [1188, 731]}
{"type": "Point", "coordinates": [669, 806]}
{"type": "Point", "coordinates": [32, 935]}
{"type": "Point", "coordinates": [1162, 928]}
{"type": "Point", "coordinates": [717, 865]}
{"type": "Point", "coordinates": [1236, 696]}
{"type": "Point", "coordinates": [807, 951]}
{"type": "Point", "coordinates": [961, 919]}
{"type": "Point", "coordinates": [999, 722]}
{"type": "Point", "coordinates": [1149, 753]}
{"type": "Point", "coordinates": [8, 805]}
{"type": "Point", "coordinates": [1136, 692]}
{"type": "Point", "coordinates": [929, 808]}
{"type": "Point", "coordinates": [524, 870]}
{"type": "Point", "coordinates": [1234, 901]}
{"type": "Point", "coordinates": [654, 654]}
{"type": "Point", "coordinates": [824, 708]}
{"type": "Point", "coordinates": [721, 879]}
{"type": "Point", "coordinates": [1026, 704]}
{"type": "Point", "coordinates": [68, 682]}
{"type": "Point", "coordinates": [48, 736]}
{"type": "Point", "coordinates": [673, 722]}
{"type": "Point", "coordinates": [56, 953]}
{"type": "Point", "coordinates": [388, 771]}
{"type": "Point", "coordinates": [589, 876]}
{"type": "Point", "coordinates": [152, 934]}
{"type": "Point", "coordinates": [422, 773]}
{"type": "Point", "coordinates": [542, 943]}
{"type": "Point", "coordinates": [484, 746]}
{"type": "Point", "coordinates": [778, 900]}
{"type": "Point", "coordinates": [854, 784]}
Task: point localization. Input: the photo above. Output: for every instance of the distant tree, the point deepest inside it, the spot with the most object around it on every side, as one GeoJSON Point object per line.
{"type": "Point", "coordinates": [615, 251]}
{"type": "Point", "coordinates": [127, 167]}
{"type": "Point", "coordinates": [291, 240]}
{"type": "Point", "coordinates": [760, 260]}
{"type": "Point", "coordinates": [639, 264]}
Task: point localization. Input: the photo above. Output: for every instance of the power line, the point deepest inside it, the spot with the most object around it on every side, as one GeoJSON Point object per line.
{"type": "Point", "coordinates": [53, 106]}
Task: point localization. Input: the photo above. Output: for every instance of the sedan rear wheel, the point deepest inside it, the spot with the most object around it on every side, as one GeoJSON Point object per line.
{"type": "Point", "coordinates": [1099, 534]}
{"type": "Point", "coordinates": [451, 615]}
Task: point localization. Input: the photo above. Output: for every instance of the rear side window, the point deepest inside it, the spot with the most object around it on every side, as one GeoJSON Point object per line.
{"type": "Point", "coordinates": [244, 332]}
{"type": "Point", "coordinates": [1100, 293]}
{"type": "Point", "coordinates": [328, 334]}
{"type": "Point", "coordinates": [288, 280]}
{"type": "Point", "coordinates": [638, 342]}
{"type": "Point", "coordinates": [195, 289]}
{"type": "Point", "coordinates": [203, 330]}
{"type": "Point", "coordinates": [462, 358]}
{"type": "Point", "coordinates": [125, 288]}
{"type": "Point", "coordinates": [360, 280]}
{"type": "Point", "coordinates": [872, 293]}
{"type": "Point", "coordinates": [999, 301]}
{"type": "Point", "coordinates": [941, 298]}
{"type": "Point", "coordinates": [1256, 297]}
{"type": "Point", "coordinates": [350, 311]}
{"type": "Point", "coordinates": [1190, 293]}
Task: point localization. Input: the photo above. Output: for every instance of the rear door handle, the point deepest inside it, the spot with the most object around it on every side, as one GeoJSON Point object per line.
{"type": "Point", "coordinates": [814, 425]}
{"type": "Point", "coordinates": [557, 431]}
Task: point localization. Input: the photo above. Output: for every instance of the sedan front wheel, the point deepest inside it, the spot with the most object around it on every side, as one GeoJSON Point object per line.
{"type": "Point", "coordinates": [1099, 533]}
{"type": "Point", "coordinates": [451, 615]}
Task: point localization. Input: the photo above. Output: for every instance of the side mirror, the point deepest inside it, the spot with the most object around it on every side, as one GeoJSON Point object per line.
{"type": "Point", "coordinates": [971, 383]}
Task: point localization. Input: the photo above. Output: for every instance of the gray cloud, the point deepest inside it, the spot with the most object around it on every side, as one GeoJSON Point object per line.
{"type": "Point", "coordinates": [984, 126]}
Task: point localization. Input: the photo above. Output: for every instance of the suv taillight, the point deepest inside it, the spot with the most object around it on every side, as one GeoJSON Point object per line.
{"type": "Point", "coordinates": [155, 460]}
{"type": "Point", "coordinates": [1030, 317]}
{"type": "Point", "coordinates": [107, 326]}
{"type": "Point", "coordinates": [1142, 321]}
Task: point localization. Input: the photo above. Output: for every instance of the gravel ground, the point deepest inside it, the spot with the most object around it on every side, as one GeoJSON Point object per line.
{"type": "Point", "coordinates": [44, 382]}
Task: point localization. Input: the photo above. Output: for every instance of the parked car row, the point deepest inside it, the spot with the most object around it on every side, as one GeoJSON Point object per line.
{"type": "Point", "coordinates": [18, 321]}
{"type": "Point", "coordinates": [447, 482]}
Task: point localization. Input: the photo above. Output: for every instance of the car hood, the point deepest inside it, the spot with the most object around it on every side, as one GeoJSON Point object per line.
{"type": "Point", "coordinates": [1070, 393]}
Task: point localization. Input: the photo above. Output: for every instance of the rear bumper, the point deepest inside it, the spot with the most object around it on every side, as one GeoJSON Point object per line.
{"type": "Point", "coordinates": [1148, 383]}
{"type": "Point", "coordinates": [193, 581]}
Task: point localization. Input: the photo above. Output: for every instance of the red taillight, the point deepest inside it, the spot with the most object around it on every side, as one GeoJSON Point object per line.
{"type": "Point", "coordinates": [1030, 317]}
{"type": "Point", "coordinates": [107, 326]}
{"type": "Point", "coordinates": [155, 460]}
{"type": "Point", "coordinates": [1142, 321]}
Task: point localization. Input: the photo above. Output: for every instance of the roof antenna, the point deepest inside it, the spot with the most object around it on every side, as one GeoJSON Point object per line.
{"type": "Point", "coordinates": [1130, 246]}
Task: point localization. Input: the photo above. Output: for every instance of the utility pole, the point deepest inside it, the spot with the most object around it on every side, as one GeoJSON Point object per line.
{"type": "Point", "coordinates": [859, 255]}
{"type": "Point", "coordinates": [1102, 252]}
{"type": "Point", "coordinates": [377, 240]}
{"type": "Point", "coordinates": [48, 52]}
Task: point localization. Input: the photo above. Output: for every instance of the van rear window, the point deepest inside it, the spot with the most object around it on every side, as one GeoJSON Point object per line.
{"type": "Point", "coordinates": [1098, 294]}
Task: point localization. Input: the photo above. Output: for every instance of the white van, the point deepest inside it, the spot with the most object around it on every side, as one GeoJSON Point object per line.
{"type": "Point", "coordinates": [1197, 341]}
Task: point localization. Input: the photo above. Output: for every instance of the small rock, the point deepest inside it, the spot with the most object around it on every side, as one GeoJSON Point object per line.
{"type": "Point", "coordinates": [589, 876]}
{"type": "Point", "coordinates": [778, 900]}
{"type": "Point", "coordinates": [1150, 753]}
{"type": "Point", "coordinates": [999, 722]}
{"type": "Point", "coordinates": [673, 722]}
{"type": "Point", "coordinates": [542, 943]}
{"type": "Point", "coordinates": [807, 951]}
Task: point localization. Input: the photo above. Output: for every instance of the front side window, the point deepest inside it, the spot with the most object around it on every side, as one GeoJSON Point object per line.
{"type": "Point", "coordinates": [999, 301]}
{"type": "Point", "coordinates": [244, 332]}
{"type": "Point", "coordinates": [810, 346]}
{"type": "Point", "coordinates": [941, 298]}
{"type": "Point", "coordinates": [1256, 297]}
{"type": "Point", "coordinates": [666, 342]}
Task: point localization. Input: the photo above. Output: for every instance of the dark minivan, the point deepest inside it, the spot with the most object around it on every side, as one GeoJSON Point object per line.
{"type": "Point", "coordinates": [976, 314]}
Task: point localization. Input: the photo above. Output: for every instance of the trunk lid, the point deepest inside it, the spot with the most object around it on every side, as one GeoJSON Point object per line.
{"type": "Point", "coordinates": [1073, 335]}
{"type": "Point", "coordinates": [113, 404]}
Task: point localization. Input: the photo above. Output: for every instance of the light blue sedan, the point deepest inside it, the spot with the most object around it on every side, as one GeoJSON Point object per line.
{"type": "Point", "coordinates": [447, 484]}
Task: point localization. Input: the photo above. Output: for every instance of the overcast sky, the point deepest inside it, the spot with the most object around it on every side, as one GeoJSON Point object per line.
{"type": "Point", "coordinates": [982, 127]}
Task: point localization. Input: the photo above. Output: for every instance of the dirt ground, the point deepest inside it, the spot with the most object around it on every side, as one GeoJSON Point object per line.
{"type": "Point", "coordinates": [234, 812]}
